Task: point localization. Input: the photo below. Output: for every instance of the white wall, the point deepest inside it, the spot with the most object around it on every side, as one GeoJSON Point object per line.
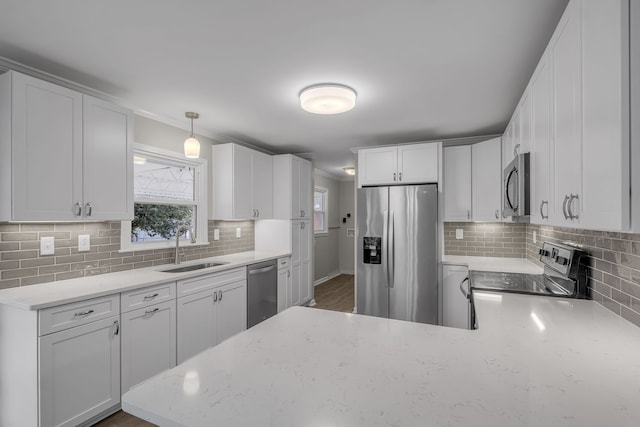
{"type": "Point", "coordinates": [345, 243]}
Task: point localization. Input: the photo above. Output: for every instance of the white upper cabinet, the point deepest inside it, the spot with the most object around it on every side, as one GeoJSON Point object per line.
{"type": "Point", "coordinates": [402, 164]}
{"type": "Point", "coordinates": [63, 155]}
{"type": "Point", "coordinates": [541, 179]}
{"type": "Point", "coordinates": [523, 144]}
{"type": "Point", "coordinates": [292, 184]}
{"type": "Point", "coordinates": [242, 183]}
{"type": "Point", "coordinates": [457, 183]}
{"type": "Point", "coordinates": [486, 180]}
{"type": "Point", "coordinates": [566, 126]}
{"type": "Point", "coordinates": [507, 145]}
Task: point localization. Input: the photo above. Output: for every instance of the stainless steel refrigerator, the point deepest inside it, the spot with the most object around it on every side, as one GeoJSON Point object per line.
{"type": "Point", "coordinates": [397, 252]}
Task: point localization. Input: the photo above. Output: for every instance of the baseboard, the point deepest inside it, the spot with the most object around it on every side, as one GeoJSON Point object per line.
{"type": "Point", "coordinates": [326, 278]}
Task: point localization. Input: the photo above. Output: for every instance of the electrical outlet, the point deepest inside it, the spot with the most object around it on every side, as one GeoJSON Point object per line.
{"type": "Point", "coordinates": [238, 233]}
{"type": "Point", "coordinates": [459, 234]}
{"type": "Point", "coordinates": [216, 234]}
{"type": "Point", "coordinates": [47, 246]}
{"type": "Point", "coordinates": [535, 237]}
{"type": "Point", "coordinates": [84, 243]}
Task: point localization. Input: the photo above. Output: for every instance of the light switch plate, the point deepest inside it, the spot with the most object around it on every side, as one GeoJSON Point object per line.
{"type": "Point", "coordinates": [238, 233]}
{"type": "Point", "coordinates": [216, 234]}
{"type": "Point", "coordinates": [47, 246]}
{"type": "Point", "coordinates": [535, 237]}
{"type": "Point", "coordinates": [459, 234]}
{"type": "Point", "coordinates": [84, 243]}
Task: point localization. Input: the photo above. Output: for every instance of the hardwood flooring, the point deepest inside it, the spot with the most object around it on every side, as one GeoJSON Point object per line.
{"type": "Point", "coordinates": [336, 294]}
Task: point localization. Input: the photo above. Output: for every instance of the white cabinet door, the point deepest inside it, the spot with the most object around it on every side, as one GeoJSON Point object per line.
{"type": "Point", "coordinates": [567, 116]}
{"type": "Point", "coordinates": [417, 163]}
{"type": "Point", "coordinates": [541, 179]}
{"type": "Point", "coordinates": [306, 283]}
{"type": "Point", "coordinates": [242, 183]}
{"type": "Point", "coordinates": [377, 166]}
{"type": "Point", "coordinates": [284, 279]}
{"type": "Point", "coordinates": [195, 324]}
{"type": "Point", "coordinates": [79, 373]}
{"type": "Point", "coordinates": [306, 191]}
{"type": "Point", "coordinates": [262, 185]}
{"type": "Point", "coordinates": [507, 145]}
{"type": "Point", "coordinates": [46, 148]}
{"type": "Point", "coordinates": [107, 160]}
{"type": "Point", "coordinates": [148, 342]}
{"type": "Point", "coordinates": [457, 183]}
{"type": "Point", "coordinates": [486, 181]}
{"type": "Point", "coordinates": [605, 138]}
{"type": "Point", "coordinates": [230, 310]}
{"type": "Point", "coordinates": [456, 308]}
{"type": "Point", "coordinates": [524, 116]}
{"type": "Point", "coordinates": [296, 262]}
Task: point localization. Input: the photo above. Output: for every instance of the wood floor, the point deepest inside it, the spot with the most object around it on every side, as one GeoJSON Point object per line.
{"type": "Point", "coordinates": [336, 294]}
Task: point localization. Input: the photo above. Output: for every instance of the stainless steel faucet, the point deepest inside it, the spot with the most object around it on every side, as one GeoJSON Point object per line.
{"type": "Point", "coordinates": [181, 229]}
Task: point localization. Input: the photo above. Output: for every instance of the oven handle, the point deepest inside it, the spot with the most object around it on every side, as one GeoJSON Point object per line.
{"type": "Point", "coordinates": [466, 293]}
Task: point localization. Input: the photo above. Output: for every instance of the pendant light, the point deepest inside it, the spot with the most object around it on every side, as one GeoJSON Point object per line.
{"type": "Point", "coordinates": [191, 145]}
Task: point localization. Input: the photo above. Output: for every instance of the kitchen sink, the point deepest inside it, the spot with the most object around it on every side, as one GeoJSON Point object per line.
{"type": "Point", "coordinates": [193, 267]}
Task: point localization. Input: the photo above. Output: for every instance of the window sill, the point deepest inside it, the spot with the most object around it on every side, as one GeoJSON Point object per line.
{"type": "Point", "coordinates": [160, 245]}
{"type": "Point", "coordinates": [320, 233]}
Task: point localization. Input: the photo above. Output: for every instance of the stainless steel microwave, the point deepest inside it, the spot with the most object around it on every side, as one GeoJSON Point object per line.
{"type": "Point", "coordinates": [516, 188]}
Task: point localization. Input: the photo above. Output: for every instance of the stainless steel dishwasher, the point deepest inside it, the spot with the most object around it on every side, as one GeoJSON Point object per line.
{"type": "Point", "coordinates": [262, 292]}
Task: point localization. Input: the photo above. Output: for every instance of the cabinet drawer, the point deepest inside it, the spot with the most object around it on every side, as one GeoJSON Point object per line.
{"type": "Point", "coordinates": [209, 281]}
{"type": "Point", "coordinates": [284, 262]}
{"type": "Point", "coordinates": [140, 298]}
{"type": "Point", "coordinates": [78, 313]}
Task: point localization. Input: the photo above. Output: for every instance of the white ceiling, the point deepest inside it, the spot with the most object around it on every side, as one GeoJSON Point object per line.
{"type": "Point", "coordinates": [423, 69]}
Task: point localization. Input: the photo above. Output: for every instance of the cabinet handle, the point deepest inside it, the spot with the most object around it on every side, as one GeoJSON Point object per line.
{"type": "Point", "coordinates": [77, 209]}
{"type": "Point", "coordinates": [220, 296]}
{"type": "Point", "coordinates": [150, 297]}
{"type": "Point", "coordinates": [572, 197]}
{"type": "Point", "coordinates": [303, 213]}
{"type": "Point", "coordinates": [215, 297]}
{"type": "Point", "coordinates": [288, 273]}
{"type": "Point", "coordinates": [516, 149]}
{"type": "Point", "coordinates": [83, 313]}
{"type": "Point", "coordinates": [497, 213]}
{"type": "Point", "coordinates": [400, 176]}
{"type": "Point", "coordinates": [466, 294]}
{"type": "Point", "coordinates": [468, 214]}
{"type": "Point", "coordinates": [394, 177]}
{"type": "Point", "coordinates": [564, 207]}
{"type": "Point", "coordinates": [117, 325]}
{"type": "Point", "coordinates": [155, 310]}
{"type": "Point", "coordinates": [542, 215]}
{"type": "Point", "coordinates": [88, 209]}
{"type": "Point", "coordinates": [258, 212]}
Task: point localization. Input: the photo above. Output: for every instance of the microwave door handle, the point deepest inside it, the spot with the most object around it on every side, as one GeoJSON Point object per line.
{"type": "Point", "coordinates": [511, 205]}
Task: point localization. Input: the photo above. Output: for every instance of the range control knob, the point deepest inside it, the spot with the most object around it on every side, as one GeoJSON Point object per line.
{"type": "Point", "coordinates": [543, 252]}
{"type": "Point", "coordinates": [561, 260]}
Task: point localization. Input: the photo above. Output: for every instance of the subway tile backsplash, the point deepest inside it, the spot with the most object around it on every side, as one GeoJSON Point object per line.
{"type": "Point", "coordinates": [504, 240]}
{"type": "Point", "coordinates": [21, 263]}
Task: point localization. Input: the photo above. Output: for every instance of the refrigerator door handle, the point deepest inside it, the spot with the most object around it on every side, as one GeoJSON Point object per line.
{"type": "Point", "coordinates": [392, 250]}
{"type": "Point", "coordinates": [385, 245]}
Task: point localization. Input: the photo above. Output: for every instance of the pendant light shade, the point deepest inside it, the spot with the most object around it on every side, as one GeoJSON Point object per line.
{"type": "Point", "coordinates": [327, 99]}
{"type": "Point", "coordinates": [191, 145]}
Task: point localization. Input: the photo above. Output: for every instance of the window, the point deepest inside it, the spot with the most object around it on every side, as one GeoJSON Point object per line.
{"type": "Point", "coordinates": [320, 198]}
{"type": "Point", "coordinates": [168, 192]}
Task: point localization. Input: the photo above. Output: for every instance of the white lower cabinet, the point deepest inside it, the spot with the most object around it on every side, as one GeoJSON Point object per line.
{"type": "Point", "coordinates": [301, 258]}
{"type": "Point", "coordinates": [79, 372]}
{"type": "Point", "coordinates": [210, 316]}
{"type": "Point", "coordinates": [148, 342]}
{"type": "Point", "coordinates": [284, 282]}
{"type": "Point", "coordinates": [456, 308]}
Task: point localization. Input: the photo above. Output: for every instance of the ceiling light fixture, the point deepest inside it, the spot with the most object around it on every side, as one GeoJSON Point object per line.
{"type": "Point", "coordinates": [137, 160]}
{"type": "Point", "coordinates": [327, 99]}
{"type": "Point", "coordinates": [191, 145]}
{"type": "Point", "coordinates": [349, 170]}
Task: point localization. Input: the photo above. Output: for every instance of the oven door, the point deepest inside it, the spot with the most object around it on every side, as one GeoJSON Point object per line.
{"type": "Point", "coordinates": [515, 192]}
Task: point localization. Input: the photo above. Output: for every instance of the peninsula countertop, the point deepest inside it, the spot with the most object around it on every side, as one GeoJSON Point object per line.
{"type": "Point", "coordinates": [36, 297]}
{"type": "Point", "coordinates": [535, 361]}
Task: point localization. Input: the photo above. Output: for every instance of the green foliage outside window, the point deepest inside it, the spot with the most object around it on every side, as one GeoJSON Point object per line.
{"type": "Point", "coordinates": [159, 220]}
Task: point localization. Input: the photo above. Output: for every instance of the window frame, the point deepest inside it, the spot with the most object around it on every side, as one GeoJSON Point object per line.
{"type": "Point", "coordinates": [325, 211]}
{"type": "Point", "coordinates": [200, 201]}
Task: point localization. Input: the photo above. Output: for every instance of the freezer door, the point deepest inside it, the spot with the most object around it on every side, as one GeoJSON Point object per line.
{"type": "Point", "coordinates": [372, 284]}
{"type": "Point", "coordinates": [413, 235]}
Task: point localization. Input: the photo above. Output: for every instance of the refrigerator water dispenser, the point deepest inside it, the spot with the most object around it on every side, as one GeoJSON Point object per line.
{"type": "Point", "coordinates": [372, 250]}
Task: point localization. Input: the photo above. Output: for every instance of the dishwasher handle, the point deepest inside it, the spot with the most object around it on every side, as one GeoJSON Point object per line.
{"type": "Point", "coordinates": [262, 270]}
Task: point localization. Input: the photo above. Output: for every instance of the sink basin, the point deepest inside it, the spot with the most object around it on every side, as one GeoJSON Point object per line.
{"type": "Point", "coordinates": [193, 267]}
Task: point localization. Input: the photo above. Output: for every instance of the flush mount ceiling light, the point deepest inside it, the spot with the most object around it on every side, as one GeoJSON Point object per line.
{"type": "Point", "coordinates": [349, 170]}
{"type": "Point", "coordinates": [191, 145]}
{"type": "Point", "coordinates": [327, 99]}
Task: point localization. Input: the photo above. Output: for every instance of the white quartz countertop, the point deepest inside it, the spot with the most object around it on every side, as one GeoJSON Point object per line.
{"type": "Point", "coordinates": [535, 361]}
{"type": "Point", "coordinates": [503, 265]}
{"type": "Point", "coordinates": [35, 297]}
